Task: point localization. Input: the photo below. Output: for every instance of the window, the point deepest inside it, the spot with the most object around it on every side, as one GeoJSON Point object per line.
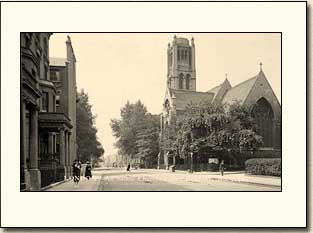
{"type": "Point", "coordinates": [187, 81]}
{"type": "Point", "coordinates": [54, 143]}
{"type": "Point", "coordinates": [45, 101]}
{"type": "Point", "coordinates": [263, 115]}
{"type": "Point", "coordinates": [57, 101]}
{"type": "Point", "coordinates": [54, 104]}
{"type": "Point", "coordinates": [44, 144]}
{"type": "Point", "coordinates": [181, 81]}
{"type": "Point", "coordinates": [57, 143]}
{"type": "Point", "coordinates": [55, 75]}
{"type": "Point", "coordinates": [46, 72]}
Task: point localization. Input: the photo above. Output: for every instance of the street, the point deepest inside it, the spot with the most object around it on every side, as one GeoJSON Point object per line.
{"type": "Point", "coordinates": [118, 179]}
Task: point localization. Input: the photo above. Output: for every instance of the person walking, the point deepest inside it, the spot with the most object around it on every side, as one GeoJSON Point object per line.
{"type": "Point", "coordinates": [88, 174]}
{"type": "Point", "coordinates": [222, 167]}
{"type": "Point", "coordinates": [76, 172]}
{"type": "Point", "coordinates": [128, 168]}
{"type": "Point", "coordinates": [80, 169]}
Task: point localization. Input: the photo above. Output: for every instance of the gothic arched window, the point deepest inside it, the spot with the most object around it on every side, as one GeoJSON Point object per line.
{"type": "Point", "coordinates": [181, 81]}
{"type": "Point", "coordinates": [262, 113]}
{"type": "Point", "coordinates": [187, 81]}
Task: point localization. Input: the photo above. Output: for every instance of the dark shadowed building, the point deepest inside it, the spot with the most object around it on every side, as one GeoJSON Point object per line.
{"type": "Point", "coordinates": [45, 132]}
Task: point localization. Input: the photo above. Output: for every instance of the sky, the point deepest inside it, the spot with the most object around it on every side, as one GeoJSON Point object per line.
{"type": "Point", "coordinates": [114, 68]}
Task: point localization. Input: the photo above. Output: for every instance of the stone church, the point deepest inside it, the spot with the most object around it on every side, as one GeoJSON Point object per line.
{"type": "Point", "coordinates": [255, 93]}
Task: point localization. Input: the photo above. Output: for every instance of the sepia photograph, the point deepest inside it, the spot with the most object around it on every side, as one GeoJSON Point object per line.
{"type": "Point", "coordinates": [154, 115]}
{"type": "Point", "coordinates": [150, 112]}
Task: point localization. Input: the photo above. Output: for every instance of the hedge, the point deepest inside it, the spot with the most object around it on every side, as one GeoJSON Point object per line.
{"type": "Point", "coordinates": [268, 167]}
{"type": "Point", "coordinates": [213, 167]}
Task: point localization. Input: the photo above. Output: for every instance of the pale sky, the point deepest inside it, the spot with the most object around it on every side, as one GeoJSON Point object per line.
{"type": "Point", "coordinates": [114, 68]}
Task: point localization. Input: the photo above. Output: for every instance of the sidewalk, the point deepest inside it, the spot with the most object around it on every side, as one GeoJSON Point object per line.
{"type": "Point", "coordinates": [231, 176]}
{"type": "Point", "coordinates": [248, 179]}
{"type": "Point", "coordinates": [84, 185]}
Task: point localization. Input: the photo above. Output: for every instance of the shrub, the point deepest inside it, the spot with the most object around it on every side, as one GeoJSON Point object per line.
{"type": "Point", "coordinates": [267, 154]}
{"type": "Point", "coordinates": [213, 167]}
{"type": "Point", "coordinates": [269, 167]}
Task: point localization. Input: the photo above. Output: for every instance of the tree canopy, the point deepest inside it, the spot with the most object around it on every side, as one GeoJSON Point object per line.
{"type": "Point", "coordinates": [137, 132]}
{"type": "Point", "coordinates": [203, 126]}
{"type": "Point", "coordinates": [88, 146]}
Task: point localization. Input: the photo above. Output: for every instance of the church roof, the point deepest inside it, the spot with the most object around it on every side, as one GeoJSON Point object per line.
{"type": "Point", "coordinates": [57, 61]}
{"type": "Point", "coordinates": [184, 97]}
{"type": "Point", "coordinates": [220, 90]}
{"type": "Point", "coordinates": [240, 91]}
{"type": "Point", "coordinates": [215, 90]}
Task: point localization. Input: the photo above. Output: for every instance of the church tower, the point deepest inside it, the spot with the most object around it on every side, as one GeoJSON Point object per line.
{"type": "Point", "coordinates": [181, 70]}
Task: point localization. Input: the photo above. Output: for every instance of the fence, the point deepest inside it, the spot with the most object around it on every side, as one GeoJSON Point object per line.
{"type": "Point", "coordinates": [50, 169]}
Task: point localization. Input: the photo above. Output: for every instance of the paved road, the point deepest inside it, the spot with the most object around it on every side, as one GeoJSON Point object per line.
{"type": "Point", "coordinates": [161, 180]}
{"type": "Point", "coordinates": [156, 180]}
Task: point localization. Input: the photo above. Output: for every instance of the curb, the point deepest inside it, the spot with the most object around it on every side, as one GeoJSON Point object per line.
{"type": "Point", "coordinates": [246, 182]}
{"type": "Point", "coordinates": [53, 185]}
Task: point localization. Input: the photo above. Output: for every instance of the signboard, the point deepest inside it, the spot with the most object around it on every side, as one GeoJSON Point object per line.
{"type": "Point", "coordinates": [213, 160]}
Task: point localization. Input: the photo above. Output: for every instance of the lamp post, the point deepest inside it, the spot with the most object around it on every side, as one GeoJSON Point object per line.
{"type": "Point", "coordinates": [191, 150]}
{"type": "Point", "coordinates": [191, 158]}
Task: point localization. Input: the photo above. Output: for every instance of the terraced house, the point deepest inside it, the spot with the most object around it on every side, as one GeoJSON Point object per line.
{"type": "Point", "coordinates": [48, 132]}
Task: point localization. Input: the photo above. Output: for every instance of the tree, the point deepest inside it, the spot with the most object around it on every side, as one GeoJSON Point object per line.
{"type": "Point", "coordinates": [88, 146]}
{"type": "Point", "coordinates": [136, 132]}
{"type": "Point", "coordinates": [207, 128]}
{"type": "Point", "coordinates": [148, 140]}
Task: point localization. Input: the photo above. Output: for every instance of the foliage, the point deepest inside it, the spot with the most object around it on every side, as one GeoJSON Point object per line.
{"type": "Point", "coordinates": [205, 127]}
{"type": "Point", "coordinates": [88, 146]}
{"type": "Point", "coordinates": [148, 139]}
{"type": "Point", "coordinates": [137, 132]}
{"type": "Point", "coordinates": [270, 167]}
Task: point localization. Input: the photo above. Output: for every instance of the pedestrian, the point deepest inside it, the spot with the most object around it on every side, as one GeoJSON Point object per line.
{"type": "Point", "coordinates": [128, 168]}
{"type": "Point", "coordinates": [76, 172]}
{"type": "Point", "coordinates": [80, 169]}
{"type": "Point", "coordinates": [222, 167]}
{"type": "Point", "coordinates": [88, 174]}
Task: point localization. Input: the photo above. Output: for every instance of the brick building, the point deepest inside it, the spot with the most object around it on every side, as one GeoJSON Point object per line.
{"type": "Point", "coordinates": [255, 93]}
{"type": "Point", "coordinates": [63, 76]}
{"type": "Point", "coordinates": [45, 132]}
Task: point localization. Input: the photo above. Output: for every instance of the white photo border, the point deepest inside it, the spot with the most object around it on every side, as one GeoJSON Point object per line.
{"type": "Point", "coordinates": [165, 209]}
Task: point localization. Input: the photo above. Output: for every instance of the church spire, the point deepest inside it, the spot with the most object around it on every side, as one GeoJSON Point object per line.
{"type": "Point", "coordinates": [261, 64]}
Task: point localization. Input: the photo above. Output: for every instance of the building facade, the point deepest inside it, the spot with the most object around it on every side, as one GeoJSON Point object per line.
{"type": "Point", "coordinates": [45, 133]}
{"type": "Point", "coordinates": [255, 93]}
{"type": "Point", "coordinates": [63, 76]}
